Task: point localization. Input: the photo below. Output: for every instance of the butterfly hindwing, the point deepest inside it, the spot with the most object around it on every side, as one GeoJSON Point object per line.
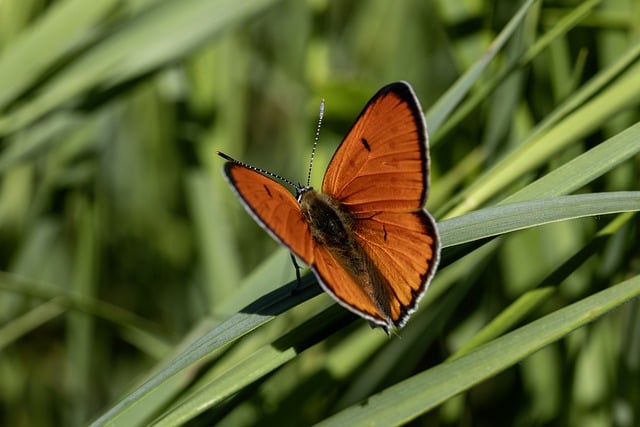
{"type": "Point", "coordinates": [340, 285]}
{"type": "Point", "coordinates": [405, 249]}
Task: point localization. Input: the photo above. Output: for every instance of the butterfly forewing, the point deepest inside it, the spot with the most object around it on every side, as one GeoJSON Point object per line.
{"type": "Point", "coordinates": [382, 164]}
{"type": "Point", "coordinates": [273, 207]}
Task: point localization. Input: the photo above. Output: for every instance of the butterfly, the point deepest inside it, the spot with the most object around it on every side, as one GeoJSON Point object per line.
{"type": "Point", "coordinates": [365, 235]}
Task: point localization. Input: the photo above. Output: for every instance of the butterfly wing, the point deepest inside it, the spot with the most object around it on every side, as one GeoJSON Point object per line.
{"type": "Point", "coordinates": [382, 164]}
{"type": "Point", "coordinates": [335, 280]}
{"type": "Point", "coordinates": [405, 249]}
{"type": "Point", "coordinates": [380, 175]}
{"type": "Point", "coordinates": [273, 207]}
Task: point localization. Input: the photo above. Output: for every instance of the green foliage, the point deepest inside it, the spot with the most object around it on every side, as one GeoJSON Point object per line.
{"type": "Point", "coordinates": [135, 290]}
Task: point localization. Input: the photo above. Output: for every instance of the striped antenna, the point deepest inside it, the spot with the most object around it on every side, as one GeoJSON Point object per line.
{"type": "Point", "coordinates": [262, 171]}
{"type": "Point", "coordinates": [315, 141]}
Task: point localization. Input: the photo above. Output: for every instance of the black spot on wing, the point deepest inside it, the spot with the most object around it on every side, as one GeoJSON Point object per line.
{"type": "Point", "coordinates": [267, 190]}
{"type": "Point", "coordinates": [365, 143]}
{"type": "Point", "coordinates": [384, 229]}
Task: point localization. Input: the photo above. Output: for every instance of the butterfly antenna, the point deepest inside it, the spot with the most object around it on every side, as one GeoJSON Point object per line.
{"type": "Point", "coordinates": [315, 141]}
{"type": "Point", "coordinates": [262, 171]}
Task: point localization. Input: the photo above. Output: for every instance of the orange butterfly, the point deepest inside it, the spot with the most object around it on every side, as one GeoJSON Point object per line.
{"type": "Point", "coordinates": [366, 236]}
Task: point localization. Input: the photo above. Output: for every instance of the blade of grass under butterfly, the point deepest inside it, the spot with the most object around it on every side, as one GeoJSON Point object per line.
{"type": "Point", "coordinates": [504, 218]}
{"type": "Point", "coordinates": [269, 358]}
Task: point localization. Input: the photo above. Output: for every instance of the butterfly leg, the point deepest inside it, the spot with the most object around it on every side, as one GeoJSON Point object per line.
{"type": "Point", "coordinates": [298, 268]}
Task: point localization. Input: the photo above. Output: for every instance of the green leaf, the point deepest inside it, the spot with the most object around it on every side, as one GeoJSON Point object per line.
{"type": "Point", "coordinates": [406, 400]}
{"type": "Point", "coordinates": [517, 216]}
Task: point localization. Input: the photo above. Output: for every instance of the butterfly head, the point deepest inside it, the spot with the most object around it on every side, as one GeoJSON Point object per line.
{"type": "Point", "coordinates": [301, 191]}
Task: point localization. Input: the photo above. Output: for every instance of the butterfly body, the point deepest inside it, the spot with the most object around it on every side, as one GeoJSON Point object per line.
{"type": "Point", "coordinates": [331, 226]}
{"type": "Point", "coordinates": [365, 235]}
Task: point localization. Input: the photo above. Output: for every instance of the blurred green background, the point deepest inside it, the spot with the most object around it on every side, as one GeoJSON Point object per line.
{"type": "Point", "coordinates": [120, 242]}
